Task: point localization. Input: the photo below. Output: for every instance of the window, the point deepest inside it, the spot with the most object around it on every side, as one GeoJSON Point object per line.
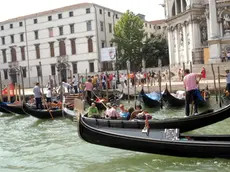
{"type": "Point", "coordinates": [100, 11]}
{"type": "Point", "coordinates": [111, 44]}
{"type": "Point", "coordinates": [4, 55]}
{"type": "Point", "coordinates": [74, 67]}
{"type": "Point", "coordinates": [102, 44]}
{"type": "Point", "coordinates": [62, 48]}
{"type": "Point", "coordinates": [36, 34]}
{"type": "Point", "coordinates": [12, 39]}
{"type": "Point", "coordinates": [91, 67]}
{"type": "Point", "coordinates": [89, 25]}
{"type": "Point", "coordinates": [71, 28]}
{"type": "Point", "coordinates": [20, 24]}
{"type": "Point", "coordinates": [53, 69]}
{"type": "Point", "coordinates": [150, 25]}
{"type": "Point", "coordinates": [87, 10]}
{"type": "Point", "coordinates": [11, 26]}
{"type": "Point", "coordinates": [110, 28]}
{"type": "Point", "coordinates": [49, 18]}
{"type": "Point", "coordinates": [23, 53]}
{"type": "Point", "coordinates": [102, 26]}
{"type": "Point", "coordinates": [13, 54]}
{"type": "Point", "coordinates": [39, 72]}
{"type": "Point", "coordinates": [71, 13]}
{"type": "Point", "coordinates": [145, 24]}
{"type": "Point", "coordinates": [24, 72]}
{"type": "Point", "coordinates": [90, 45]}
{"type": "Point", "coordinates": [151, 35]}
{"type": "Point", "coordinates": [5, 73]}
{"type": "Point", "coordinates": [52, 53]}
{"type": "Point", "coordinates": [3, 40]}
{"type": "Point", "coordinates": [109, 14]}
{"type": "Point", "coordinates": [37, 49]}
{"type": "Point", "coordinates": [51, 34]}
{"type": "Point", "coordinates": [2, 27]}
{"type": "Point", "coordinates": [117, 16]}
{"type": "Point", "coordinates": [61, 30]}
{"type": "Point", "coordinates": [73, 46]}
{"type": "Point", "coordinates": [158, 27]}
{"type": "Point", "coordinates": [35, 21]}
{"type": "Point", "coordinates": [59, 16]}
{"type": "Point", "coordinates": [21, 37]}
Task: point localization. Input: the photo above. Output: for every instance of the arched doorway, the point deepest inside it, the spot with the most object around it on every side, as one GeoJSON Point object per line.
{"type": "Point", "coordinates": [62, 67]}
{"type": "Point", "coordinates": [13, 75]}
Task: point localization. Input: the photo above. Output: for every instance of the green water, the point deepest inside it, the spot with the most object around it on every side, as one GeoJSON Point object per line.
{"type": "Point", "coordinates": [31, 145]}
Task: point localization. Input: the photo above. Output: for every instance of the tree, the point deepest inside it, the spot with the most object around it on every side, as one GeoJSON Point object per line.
{"type": "Point", "coordinates": [128, 35]}
{"type": "Point", "coordinates": [155, 48]}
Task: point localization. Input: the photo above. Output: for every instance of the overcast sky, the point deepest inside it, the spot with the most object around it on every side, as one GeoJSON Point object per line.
{"type": "Point", "coordinates": [15, 8]}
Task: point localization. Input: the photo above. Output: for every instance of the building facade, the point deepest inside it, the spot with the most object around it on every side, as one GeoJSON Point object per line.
{"type": "Point", "coordinates": [59, 43]}
{"type": "Point", "coordinates": [194, 26]}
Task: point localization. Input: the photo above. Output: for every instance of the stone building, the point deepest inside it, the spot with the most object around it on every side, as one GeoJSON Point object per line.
{"type": "Point", "coordinates": [198, 30]}
{"type": "Point", "coordinates": [66, 41]}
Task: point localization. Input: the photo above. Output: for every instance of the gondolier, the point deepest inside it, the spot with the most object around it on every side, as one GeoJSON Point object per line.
{"type": "Point", "coordinates": [227, 75]}
{"type": "Point", "coordinates": [191, 81]}
{"type": "Point", "coordinates": [38, 96]}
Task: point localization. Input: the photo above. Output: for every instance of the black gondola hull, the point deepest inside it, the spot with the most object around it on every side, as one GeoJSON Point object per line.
{"type": "Point", "coordinates": [184, 124]}
{"type": "Point", "coordinates": [148, 101]}
{"type": "Point", "coordinates": [135, 140]}
{"type": "Point", "coordinates": [15, 109]}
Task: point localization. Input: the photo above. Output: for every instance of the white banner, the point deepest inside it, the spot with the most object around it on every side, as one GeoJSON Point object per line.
{"type": "Point", "coordinates": [108, 54]}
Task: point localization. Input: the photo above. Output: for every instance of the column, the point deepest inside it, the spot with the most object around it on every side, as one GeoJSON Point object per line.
{"type": "Point", "coordinates": [182, 6]}
{"type": "Point", "coordinates": [221, 29]}
{"type": "Point", "coordinates": [177, 38]}
{"type": "Point", "coordinates": [191, 38]}
{"type": "Point", "coordinates": [197, 34]}
{"type": "Point", "coordinates": [186, 58]}
{"type": "Point", "coordinates": [214, 44]}
{"type": "Point", "coordinates": [170, 44]}
{"type": "Point", "coordinates": [176, 7]}
{"type": "Point", "coordinates": [208, 28]}
{"type": "Point", "coordinates": [214, 29]}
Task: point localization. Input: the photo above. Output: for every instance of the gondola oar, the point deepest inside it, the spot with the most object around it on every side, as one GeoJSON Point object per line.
{"type": "Point", "coordinates": [220, 103]}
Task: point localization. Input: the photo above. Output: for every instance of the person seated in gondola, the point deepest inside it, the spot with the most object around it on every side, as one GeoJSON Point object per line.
{"type": "Point", "coordinates": [143, 115]}
{"type": "Point", "coordinates": [112, 113]}
{"type": "Point", "coordinates": [205, 93]}
{"type": "Point", "coordinates": [93, 111]}
{"type": "Point", "coordinates": [138, 109]}
{"type": "Point", "coordinates": [124, 113]}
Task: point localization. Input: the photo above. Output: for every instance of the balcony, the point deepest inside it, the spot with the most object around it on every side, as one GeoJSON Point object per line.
{"type": "Point", "coordinates": [62, 59]}
{"type": "Point", "coordinates": [13, 64]}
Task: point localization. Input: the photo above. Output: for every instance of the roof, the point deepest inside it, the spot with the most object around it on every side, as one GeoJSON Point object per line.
{"type": "Point", "coordinates": [66, 8]}
{"type": "Point", "coordinates": [158, 21]}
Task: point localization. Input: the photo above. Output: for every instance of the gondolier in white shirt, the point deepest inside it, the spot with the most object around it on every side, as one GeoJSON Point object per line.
{"type": "Point", "coordinates": [227, 75]}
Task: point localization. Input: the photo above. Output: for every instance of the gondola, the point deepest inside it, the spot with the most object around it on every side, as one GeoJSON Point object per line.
{"type": "Point", "coordinates": [184, 124]}
{"type": "Point", "coordinates": [157, 141]}
{"type": "Point", "coordinates": [42, 113]}
{"type": "Point", "coordinates": [113, 98]}
{"type": "Point", "coordinates": [177, 102]}
{"type": "Point", "coordinates": [152, 100]}
{"type": "Point", "coordinates": [69, 113]}
{"type": "Point", "coordinates": [12, 108]}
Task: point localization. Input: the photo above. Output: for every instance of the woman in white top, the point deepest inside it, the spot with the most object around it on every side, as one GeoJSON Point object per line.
{"type": "Point", "coordinates": [49, 98]}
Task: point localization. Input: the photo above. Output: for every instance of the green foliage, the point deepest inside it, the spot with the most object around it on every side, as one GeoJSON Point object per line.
{"type": "Point", "coordinates": [128, 35]}
{"type": "Point", "coordinates": [155, 48]}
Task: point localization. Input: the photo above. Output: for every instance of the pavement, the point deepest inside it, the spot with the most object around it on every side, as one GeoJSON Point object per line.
{"type": "Point", "coordinates": [175, 85]}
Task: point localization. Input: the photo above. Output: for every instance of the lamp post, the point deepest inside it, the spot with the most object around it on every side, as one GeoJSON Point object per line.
{"type": "Point", "coordinates": [128, 70]}
{"type": "Point", "coordinates": [118, 78]}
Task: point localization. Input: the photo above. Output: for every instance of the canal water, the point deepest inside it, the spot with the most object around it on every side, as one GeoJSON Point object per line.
{"type": "Point", "coordinates": [31, 145]}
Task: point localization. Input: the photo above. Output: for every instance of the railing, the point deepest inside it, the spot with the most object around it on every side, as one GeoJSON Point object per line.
{"type": "Point", "coordinates": [62, 59]}
{"type": "Point", "coordinates": [13, 64]}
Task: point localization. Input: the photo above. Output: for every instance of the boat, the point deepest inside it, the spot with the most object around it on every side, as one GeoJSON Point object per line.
{"type": "Point", "coordinates": [43, 113]}
{"type": "Point", "coordinates": [152, 100]}
{"type": "Point", "coordinates": [157, 141]}
{"type": "Point", "coordinates": [185, 124]}
{"type": "Point", "coordinates": [101, 102]}
{"type": "Point", "coordinates": [69, 113]}
{"type": "Point", "coordinates": [174, 101]}
{"type": "Point", "coordinates": [12, 108]}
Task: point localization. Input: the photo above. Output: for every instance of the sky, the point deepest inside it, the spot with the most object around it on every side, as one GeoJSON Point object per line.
{"type": "Point", "coordinates": [15, 8]}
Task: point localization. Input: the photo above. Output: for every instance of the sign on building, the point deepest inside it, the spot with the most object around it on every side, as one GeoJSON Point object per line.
{"type": "Point", "coordinates": [108, 54]}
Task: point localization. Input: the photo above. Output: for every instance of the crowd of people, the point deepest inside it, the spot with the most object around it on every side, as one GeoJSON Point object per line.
{"type": "Point", "coordinates": [114, 112]}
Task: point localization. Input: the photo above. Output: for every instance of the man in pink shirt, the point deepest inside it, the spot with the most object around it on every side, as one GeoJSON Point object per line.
{"type": "Point", "coordinates": [191, 81]}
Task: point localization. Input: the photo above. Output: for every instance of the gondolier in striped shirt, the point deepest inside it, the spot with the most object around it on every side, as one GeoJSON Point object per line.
{"type": "Point", "coordinates": [191, 81]}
